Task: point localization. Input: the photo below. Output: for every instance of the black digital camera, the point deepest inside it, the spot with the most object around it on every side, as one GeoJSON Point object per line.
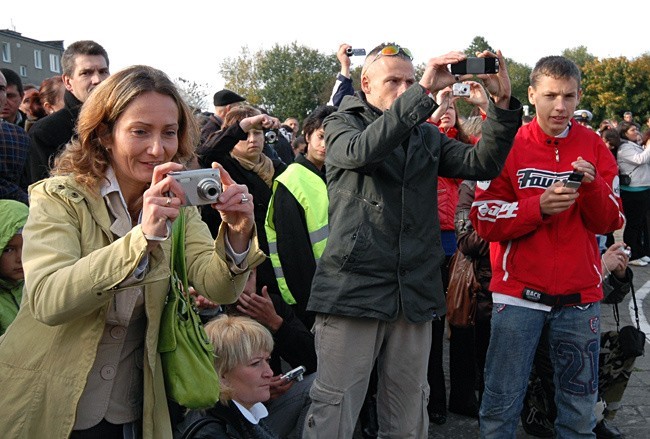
{"type": "Point", "coordinates": [355, 52]}
{"type": "Point", "coordinates": [475, 66]}
{"type": "Point", "coordinates": [270, 136]}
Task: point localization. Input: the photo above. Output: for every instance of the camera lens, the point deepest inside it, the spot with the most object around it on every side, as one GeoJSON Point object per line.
{"type": "Point", "coordinates": [271, 136]}
{"type": "Point", "coordinates": [208, 189]}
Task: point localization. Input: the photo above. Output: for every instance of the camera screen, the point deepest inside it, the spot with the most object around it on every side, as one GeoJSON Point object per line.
{"type": "Point", "coordinates": [475, 66]}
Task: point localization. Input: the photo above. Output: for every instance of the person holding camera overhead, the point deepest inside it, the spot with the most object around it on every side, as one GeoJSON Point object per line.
{"type": "Point", "coordinates": [238, 147]}
{"type": "Point", "coordinates": [541, 216]}
{"type": "Point", "coordinates": [80, 360]}
{"type": "Point", "coordinates": [377, 286]}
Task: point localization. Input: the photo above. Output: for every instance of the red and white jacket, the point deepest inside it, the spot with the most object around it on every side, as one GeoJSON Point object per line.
{"type": "Point", "coordinates": [556, 254]}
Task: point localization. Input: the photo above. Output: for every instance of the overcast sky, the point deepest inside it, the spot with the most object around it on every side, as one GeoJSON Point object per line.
{"type": "Point", "coordinates": [191, 38]}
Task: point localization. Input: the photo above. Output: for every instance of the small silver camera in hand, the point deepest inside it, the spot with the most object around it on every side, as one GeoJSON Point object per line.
{"type": "Point", "coordinates": [626, 250]}
{"type": "Point", "coordinates": [201, 186]}
{"type": "Point", "coordinates": [460, 89]}
{"type": "Point", "coordinates": [295, 374]}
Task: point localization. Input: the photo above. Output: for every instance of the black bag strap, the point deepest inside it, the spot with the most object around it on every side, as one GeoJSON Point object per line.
{"type": "Point", "coordinates": [636, 310]}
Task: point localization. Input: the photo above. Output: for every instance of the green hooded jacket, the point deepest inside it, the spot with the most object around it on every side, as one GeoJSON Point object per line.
{"type": "Point", "coordinates": [14, 216]}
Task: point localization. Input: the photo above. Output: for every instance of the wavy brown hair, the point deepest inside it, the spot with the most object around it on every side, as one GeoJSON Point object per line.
{"type": "Point", "coordinates": [85, 157]}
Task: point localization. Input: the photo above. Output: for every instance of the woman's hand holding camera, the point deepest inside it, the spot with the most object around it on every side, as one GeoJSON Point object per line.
{"type": "Point", "coordinates": [161, 203]}
{"type": "Point", "coordinates": [235, 205]}
{"type": "Point", "coordinates": [477, 95]}
{"type": "Point", "coordinates": [279, 386]}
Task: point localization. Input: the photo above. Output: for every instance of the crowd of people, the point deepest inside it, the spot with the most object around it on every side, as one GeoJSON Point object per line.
{"type": "Point", "coordinates": [329, 248]}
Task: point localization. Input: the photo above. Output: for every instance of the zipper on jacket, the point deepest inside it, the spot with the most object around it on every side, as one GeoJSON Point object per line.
{"type": "Point", "coordinates": [557, 155]}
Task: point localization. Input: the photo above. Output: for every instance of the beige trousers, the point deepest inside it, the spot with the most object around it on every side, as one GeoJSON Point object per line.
{"type": "Point", "coordinates": [347, 348]}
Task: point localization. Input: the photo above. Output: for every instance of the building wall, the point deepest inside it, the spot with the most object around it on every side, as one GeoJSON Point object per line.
{"type": "Point", "coordinates": [18, 54]}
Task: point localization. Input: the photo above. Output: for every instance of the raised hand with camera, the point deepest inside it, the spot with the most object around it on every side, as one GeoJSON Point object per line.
{"type": "Point", "coordinates": [259, 122]}
{"type": "Point", "coordinates": [476, 95]}
{"type": "Point", "coordinates": [497, 84]}
{"type": "Point", "coordinates": [436, 75]}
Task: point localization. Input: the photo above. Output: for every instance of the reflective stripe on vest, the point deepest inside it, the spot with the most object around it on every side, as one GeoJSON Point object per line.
{"type": "Point", "coordinates": [311, 193]}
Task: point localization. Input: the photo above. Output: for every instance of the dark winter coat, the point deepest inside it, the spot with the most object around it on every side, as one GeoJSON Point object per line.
{"type": "Point", "coordinates": [384, 253]}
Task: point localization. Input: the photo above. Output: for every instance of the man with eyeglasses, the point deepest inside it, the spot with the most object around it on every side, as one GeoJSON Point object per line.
{"type": "Point", "coordinates": [377, 285]}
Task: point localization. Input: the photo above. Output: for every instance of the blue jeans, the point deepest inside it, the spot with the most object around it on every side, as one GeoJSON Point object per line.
{"type": "Point", "coordinates": [574, 336]}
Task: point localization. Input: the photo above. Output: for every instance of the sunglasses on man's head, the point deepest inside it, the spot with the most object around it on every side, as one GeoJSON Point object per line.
{"type": "Point", "coordinates": [392, 50]}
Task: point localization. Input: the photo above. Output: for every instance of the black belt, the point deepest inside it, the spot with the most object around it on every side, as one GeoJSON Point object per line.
{"type": "Point", "coordinates": [550, 300]}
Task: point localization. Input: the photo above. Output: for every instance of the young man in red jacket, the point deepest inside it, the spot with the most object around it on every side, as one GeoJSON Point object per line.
{"type": "Point", "coordinates": [544, 255]}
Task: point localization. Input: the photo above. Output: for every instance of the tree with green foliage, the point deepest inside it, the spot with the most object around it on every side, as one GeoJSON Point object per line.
{"type": "Point", "coordinates": [519, 79]}
{"type": "Point", "coordinates": [478, 44]}
{"type": "Point", "coordinates": [287, 81]}
{"type": "Point", "coordinates": [293, 79]}
{"type": "Point", "coordinates": [579, 55]}
{"type": "Point", "coordinates": [240, 75]}
{"type": "Point", "coordinates": [615, 85]}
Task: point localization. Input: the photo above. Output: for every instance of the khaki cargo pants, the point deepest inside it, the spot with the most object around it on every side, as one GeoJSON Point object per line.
{"type": "Point", "coordinates": [347, 348]}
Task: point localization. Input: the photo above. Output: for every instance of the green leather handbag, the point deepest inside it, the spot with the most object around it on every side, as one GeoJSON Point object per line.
{"type": "Point", "coordinates": [186, 352]}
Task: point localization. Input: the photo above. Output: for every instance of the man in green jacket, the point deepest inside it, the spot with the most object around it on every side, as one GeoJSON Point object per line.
{"type": "Point", "coordinates": [377, 286]}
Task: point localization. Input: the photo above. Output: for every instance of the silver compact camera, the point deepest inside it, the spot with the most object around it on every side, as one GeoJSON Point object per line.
{"type": "Point", "coordinates": [626, 250]}
{"type": "Point", "coordinates": [201, 186]}
{"type": "Point", "coordinates": [460, 89]}
{"type": "Point", "coordinates": [295, 374]}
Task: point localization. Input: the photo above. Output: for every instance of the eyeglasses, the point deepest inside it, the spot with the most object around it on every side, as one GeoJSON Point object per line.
{"type": "Point", "coordinates": [391, 50]}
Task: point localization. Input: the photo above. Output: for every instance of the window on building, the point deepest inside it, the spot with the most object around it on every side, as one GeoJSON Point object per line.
{"type": "Point", "coordinates": [23, 71]}
{"type": "Point", "coordinates": [55, 63]}
{"type": "Point", "coordinates": [6, 52]}
{"type": "Point", "coordinates": [38, 59]}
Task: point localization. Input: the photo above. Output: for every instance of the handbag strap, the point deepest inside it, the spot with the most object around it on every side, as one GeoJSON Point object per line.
{"type": "Point", "coordinates": [178, 263]}
{"type": "Point", "coordinates": [636, 310]}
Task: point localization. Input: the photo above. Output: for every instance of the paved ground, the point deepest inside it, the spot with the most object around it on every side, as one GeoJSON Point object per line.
{"type": "Point", "coordinates": [633, 419]}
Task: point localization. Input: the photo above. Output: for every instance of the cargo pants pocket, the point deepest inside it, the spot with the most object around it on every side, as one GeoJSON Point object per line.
{"type": "Point", "coordinates": [326, 417]}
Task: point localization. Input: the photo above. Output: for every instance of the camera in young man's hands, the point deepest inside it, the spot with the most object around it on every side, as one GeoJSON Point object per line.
{"type": "Point", "coordinates": [461, 90]}
{"type": "Point", "coordinates": [201, 186]}
{"type": "Point", "coordinates": [626, 250]}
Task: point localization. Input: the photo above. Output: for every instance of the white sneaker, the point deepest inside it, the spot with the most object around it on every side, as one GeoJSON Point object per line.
{"type": "Point", "coordinates": [638, 263]}
{"type": "Point", "coordinates": [645, 259]}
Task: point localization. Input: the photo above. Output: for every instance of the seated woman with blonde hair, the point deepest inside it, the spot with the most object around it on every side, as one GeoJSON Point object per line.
{"type": "Point", "coordinates": [242, 350]}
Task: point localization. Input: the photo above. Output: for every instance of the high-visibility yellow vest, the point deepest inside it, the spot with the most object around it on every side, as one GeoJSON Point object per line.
{"type": "Point", "coordinates": [311, 193]}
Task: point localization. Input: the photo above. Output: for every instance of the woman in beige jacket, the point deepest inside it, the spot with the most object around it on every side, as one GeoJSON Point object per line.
{"type": "Point", "coordinates": [81, 357]}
